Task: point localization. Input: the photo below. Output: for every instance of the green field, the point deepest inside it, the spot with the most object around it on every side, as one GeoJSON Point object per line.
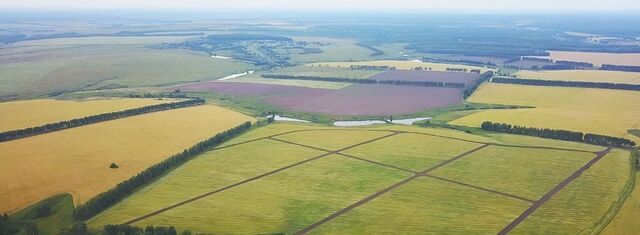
{"type": "Point", "coordinates": [586, 205]}
{"type": "Point", "coordinates": [428, 206]}
{"type": "Point", "coordinates": [106, 66]}
{"type": "Point", "coordinates": [382, 179]}
{"type": "Point", "coordinates": [528, 173]}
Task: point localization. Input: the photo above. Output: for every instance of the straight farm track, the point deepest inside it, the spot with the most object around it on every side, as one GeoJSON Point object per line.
{"type": "Point", "coordinates": [534, 203]}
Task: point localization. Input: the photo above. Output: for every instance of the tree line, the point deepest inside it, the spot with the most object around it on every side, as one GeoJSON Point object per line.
{"type": "Point", "coordinates": [125, 188]}
{"type": "Point", "coordinates": [373, 67]}
{"type": "Point", "coordinates": [16, 134]}
{"type": "Point", "coordinates": [537, 82]}
{"type": "Point", "coordinates": [125, 229]}
{"type": "Point", "coordinates": [368, 81]}
{"type": "Point", "coordinates": [558, 134]}
{"type": "Point", "coordinates": [474, 86]}
{"type": "Point", "coordinates": [624, 68]}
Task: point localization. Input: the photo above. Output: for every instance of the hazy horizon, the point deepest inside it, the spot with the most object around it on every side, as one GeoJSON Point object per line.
{"type": "Point", "coordinates": [453, 6]}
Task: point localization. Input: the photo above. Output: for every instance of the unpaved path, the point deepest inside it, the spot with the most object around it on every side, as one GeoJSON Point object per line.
{"type": "Point", "coordinates": [552, 192]}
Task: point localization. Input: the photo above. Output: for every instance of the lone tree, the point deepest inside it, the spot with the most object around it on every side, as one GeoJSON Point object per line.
{"type": "Point", "coordinates": [114, 166]}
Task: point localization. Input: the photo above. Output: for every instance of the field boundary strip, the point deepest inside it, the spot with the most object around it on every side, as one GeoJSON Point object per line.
{"type": "Point", "coordinates": [254, 178]}
{"type": "Point", "coordinates": [88, 120]}
{"type": "Point", "coordinates": [552, 192]}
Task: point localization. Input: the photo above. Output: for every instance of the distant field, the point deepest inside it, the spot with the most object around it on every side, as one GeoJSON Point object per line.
{"type": "Point", "coordinates": [31, 113]}
{"type": "Point", "coordinates": [582, 76]}
{"type": "Point", "coordinates": [352, 100]}
{"type": "Point", "coordinates": [77, 159]}
{"type": "Point", "coordinates": [144, 40]}
{"type": "Point", "coordinates": [321, 71]}
{"type": "Point", "coordinates": [363, 180]}
{"type": "Point", "coordinates": [298, 83]}
{"type": "Point", "coordinates": [399, 64]}
{"type": "Point", "coordinates": [429, 76]}
{"type": "Point", "coordinates": [581, 109]}
{"type": "Point", "coordinates": [332, 50]}
{"type": "Point", "coordinates": [597, 58]}
{"type": "Point", "coordinates": [106, 66]}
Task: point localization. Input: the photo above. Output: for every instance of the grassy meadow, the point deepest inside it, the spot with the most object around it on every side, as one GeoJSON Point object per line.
{"type": "Point", "coordinates": [133, 143]}
{"type": "Point", "coordinates": [30, 113]}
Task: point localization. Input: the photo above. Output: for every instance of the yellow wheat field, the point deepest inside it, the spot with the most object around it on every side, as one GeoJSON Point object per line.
{"type": "Point", "coordinates": [30, 113]}
{"type": "Point", "coordinates": [583, 76]}
{"type": "Point", "coordinates": [602, 111]}
{"type": "Point", "coordinates": [77, 160]}
{"type": "Point", "coordinates": [399, 64]}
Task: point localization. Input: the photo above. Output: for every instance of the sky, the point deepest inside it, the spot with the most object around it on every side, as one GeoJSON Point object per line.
{"type": "Point", "coordinates": [337, 5]}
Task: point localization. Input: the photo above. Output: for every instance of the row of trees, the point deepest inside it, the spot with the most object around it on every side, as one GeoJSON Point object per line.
{"type": "Point", "coordinates": [16, 134]}
{"type": "Point", "coordinates": [122, 190]}
{"type": "Point", "coordinates": [558, 134]}
{"type": "Point", "coordinates": [125, 229]}
{"type": "Point", "coordinates": [537, 82]}
{"type": "Point", "coordinates": [368, 81]}
{"type": "Point", "coordinates": [558, 67]}
{"type": "Point", "coordinates": [625, 68]}
{"type": "Point", "coordinates": [473, 87]}
{"type": "Point", "coordinates": [373, 67]}
{"type": "Point", "coordinates": [463, 70]}
{"type": "Point", "coordinates": [575, 63]}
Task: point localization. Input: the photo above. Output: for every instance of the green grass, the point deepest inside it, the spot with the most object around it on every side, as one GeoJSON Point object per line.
{"type": "Point", "coordinates": [583, 207]}
{"type": "Point", "coordinates": [412, 151]}
{"type": "Point", "coordinates": [285, 202]}
{"type": "Point", "coordinates": [208, 172]}
{"type": "Point", "coordinates": [528, 173]}
{"type": "Point", "coordinates": [332, 139]}
{"type": "Point", "coordinates": [428, 206]}
{"type": "Point", "coordinates": [60, 217]}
